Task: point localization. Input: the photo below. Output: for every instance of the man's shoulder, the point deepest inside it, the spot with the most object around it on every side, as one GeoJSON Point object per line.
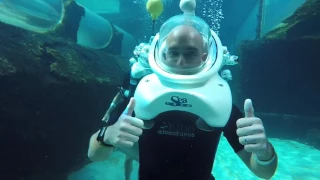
{"type": "Point", "coordinates": [235, 112]}
{"type": "Point", "coordinates": [234, 116]}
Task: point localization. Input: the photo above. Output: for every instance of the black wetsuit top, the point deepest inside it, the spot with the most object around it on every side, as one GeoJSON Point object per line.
{"type": "Point", "coordinates": [176, 149]}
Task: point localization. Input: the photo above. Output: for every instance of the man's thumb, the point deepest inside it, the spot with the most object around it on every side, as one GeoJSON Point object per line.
{"type": "Point", "coordinates": [130, 107]}
{"type": "Point", "coordinates": [248, 108]}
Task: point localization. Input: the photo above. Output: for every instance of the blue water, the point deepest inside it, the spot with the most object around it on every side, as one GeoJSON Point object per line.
{"type": "Point", "coordinates": [47, 119]}
{"type": "Point", "coordinates": [235, 21]}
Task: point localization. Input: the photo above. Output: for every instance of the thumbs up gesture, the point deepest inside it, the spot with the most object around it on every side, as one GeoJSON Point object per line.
{"type": "Point", "coordinates": [251, 132]}
{"type": "Point", "coordinates": [126, 131]}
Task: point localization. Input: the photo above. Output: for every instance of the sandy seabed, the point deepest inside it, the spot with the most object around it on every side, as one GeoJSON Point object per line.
{"type": "Point", "coordinates": [296, 161]}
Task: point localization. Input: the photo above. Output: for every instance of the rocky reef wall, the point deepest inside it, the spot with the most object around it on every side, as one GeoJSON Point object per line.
{"type": "Point", "coordinates": [53, 94]}
{"type": "Point", "coordinates": [280, 73]}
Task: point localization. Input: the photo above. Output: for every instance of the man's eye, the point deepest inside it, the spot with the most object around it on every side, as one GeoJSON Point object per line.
{"type": "Point", "coordinates": [191, 53]}
{"type": "Point", "coordinates": [173, 53]}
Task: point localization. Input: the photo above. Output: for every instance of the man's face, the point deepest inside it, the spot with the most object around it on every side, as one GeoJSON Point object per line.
{"type": "Point", "coordinates": [185, 48]}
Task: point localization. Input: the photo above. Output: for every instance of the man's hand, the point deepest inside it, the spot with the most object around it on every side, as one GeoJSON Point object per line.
{"type": "Point", "coordinates": [126, 131]}
{"type": "Point", "coordinates": [252, 133]}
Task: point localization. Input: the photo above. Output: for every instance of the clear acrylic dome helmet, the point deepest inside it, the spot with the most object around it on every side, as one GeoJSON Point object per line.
{"type": "Point", "coordinates": [192, 75]}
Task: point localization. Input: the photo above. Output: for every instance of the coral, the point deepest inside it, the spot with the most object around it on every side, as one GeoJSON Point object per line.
{"type": "Point", "coordinates": [49, 85]}
{"type": "Point", "coordinates": [56, 58]}
{"type": "Point", "coordinates": [69, 65]}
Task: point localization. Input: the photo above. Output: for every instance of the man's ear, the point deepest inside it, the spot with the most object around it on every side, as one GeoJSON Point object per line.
{"type": "Point", "coordinates": [204, 56]}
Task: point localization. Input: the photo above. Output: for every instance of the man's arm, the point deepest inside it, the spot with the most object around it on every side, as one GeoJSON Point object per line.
{"type": "Point", "coordinates": [262, 171]}
{"type": "Point", "coordinates": [230, 132]}
{"type": "Point", "coordinates": [128, 168]}
{"type": "Point", "coordinates": [96, 151]}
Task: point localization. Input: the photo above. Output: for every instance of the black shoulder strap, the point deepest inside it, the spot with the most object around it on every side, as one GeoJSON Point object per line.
{"type": "Point", "coordinates": [131, 88]}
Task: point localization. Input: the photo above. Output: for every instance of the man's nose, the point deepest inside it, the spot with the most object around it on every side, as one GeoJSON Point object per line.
{"type": "Point", "coordinates": [181, 61]}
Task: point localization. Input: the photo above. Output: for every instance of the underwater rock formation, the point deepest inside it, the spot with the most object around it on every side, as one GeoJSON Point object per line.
{"type": "Point", "coordinates": [280, 73]}
{"type": "Point", "coordinates": [304, 23]}
{"type": "Point", "coordinates": [53, 96]}
{"type": "Point", "coordinates": [291, 127]}
{"type": "Point", "coordinates": [280, 70]}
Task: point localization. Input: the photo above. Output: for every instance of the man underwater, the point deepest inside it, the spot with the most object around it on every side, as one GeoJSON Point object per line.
{"type": "Point", "coordinates": [178, 139]}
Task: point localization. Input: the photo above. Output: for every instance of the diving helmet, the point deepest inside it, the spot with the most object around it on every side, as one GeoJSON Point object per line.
{"type": "Point", "coordinates": [185, 58]}
{"type": "Point", "coordinates": [159, 54]}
